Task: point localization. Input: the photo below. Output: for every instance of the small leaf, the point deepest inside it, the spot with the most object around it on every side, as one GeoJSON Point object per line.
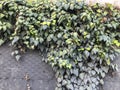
{"type": "Point", "coordinates": [66, 6]}
{"type": "Point", "coordinates": [17, 57]}
{"type": "Point", "coordinates": [101, 81]}
{"type": "Point", "coordinates": [76, 72]}
{"type": "Point", "coordinates": [16, 38]}
{"type": "Point", "coordinates": [108, 62]}
{"type": "Point", "coordinates": [70, 87]}
{"type": "Point", "coordinates": [72, 6]}
{"type": "Point", "coordinates": [1, 42]}
{"type": "Point", "coordinates": [81, 88]}
{"type": "Point", "coordinates": [81, 75]}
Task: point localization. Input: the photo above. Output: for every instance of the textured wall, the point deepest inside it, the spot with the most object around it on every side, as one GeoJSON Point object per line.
{"type": "Point", "coordinates": [116, 3]}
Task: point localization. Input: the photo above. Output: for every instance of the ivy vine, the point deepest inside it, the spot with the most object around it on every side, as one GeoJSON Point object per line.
{"type": "Point", "coordinates": [81, 41]}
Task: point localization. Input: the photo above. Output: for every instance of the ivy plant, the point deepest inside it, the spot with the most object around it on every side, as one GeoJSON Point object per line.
{"type": "Point", "coordinates": [81, 41]}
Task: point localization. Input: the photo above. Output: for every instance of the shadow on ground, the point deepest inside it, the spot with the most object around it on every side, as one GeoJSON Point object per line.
{"type": "Point", "coordinates": [31, 72]}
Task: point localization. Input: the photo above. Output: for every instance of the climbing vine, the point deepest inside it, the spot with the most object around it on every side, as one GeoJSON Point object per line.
{"type": "Point", "coordinates": [81, 41]}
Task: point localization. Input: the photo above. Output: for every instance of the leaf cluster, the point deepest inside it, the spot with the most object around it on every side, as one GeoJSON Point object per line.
{"type": "Point", "coordinates": [81, 41]}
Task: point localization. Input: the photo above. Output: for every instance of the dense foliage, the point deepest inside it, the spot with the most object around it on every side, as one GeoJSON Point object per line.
{"type": "Point", "coordinates": [81, 41]}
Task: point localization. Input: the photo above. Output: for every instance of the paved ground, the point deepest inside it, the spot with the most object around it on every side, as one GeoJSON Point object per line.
{"type": "Point", "coordinates": [14, 75]}
{"type": "Point", "coordinates": [113, 82]}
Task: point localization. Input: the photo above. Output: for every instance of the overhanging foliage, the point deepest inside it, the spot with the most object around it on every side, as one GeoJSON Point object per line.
{"type": "Point", "coordinates": [81, 41]}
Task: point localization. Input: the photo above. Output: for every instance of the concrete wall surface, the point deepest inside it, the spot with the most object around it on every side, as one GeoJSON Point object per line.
{"type": "Point", "coordinates": [116, 3]}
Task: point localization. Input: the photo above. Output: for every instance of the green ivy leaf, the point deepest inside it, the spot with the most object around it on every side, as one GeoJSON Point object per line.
{"type": "Point", "coordinates": [108, 62]}
{"type": "Point", "coordinates": [1, 42]}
